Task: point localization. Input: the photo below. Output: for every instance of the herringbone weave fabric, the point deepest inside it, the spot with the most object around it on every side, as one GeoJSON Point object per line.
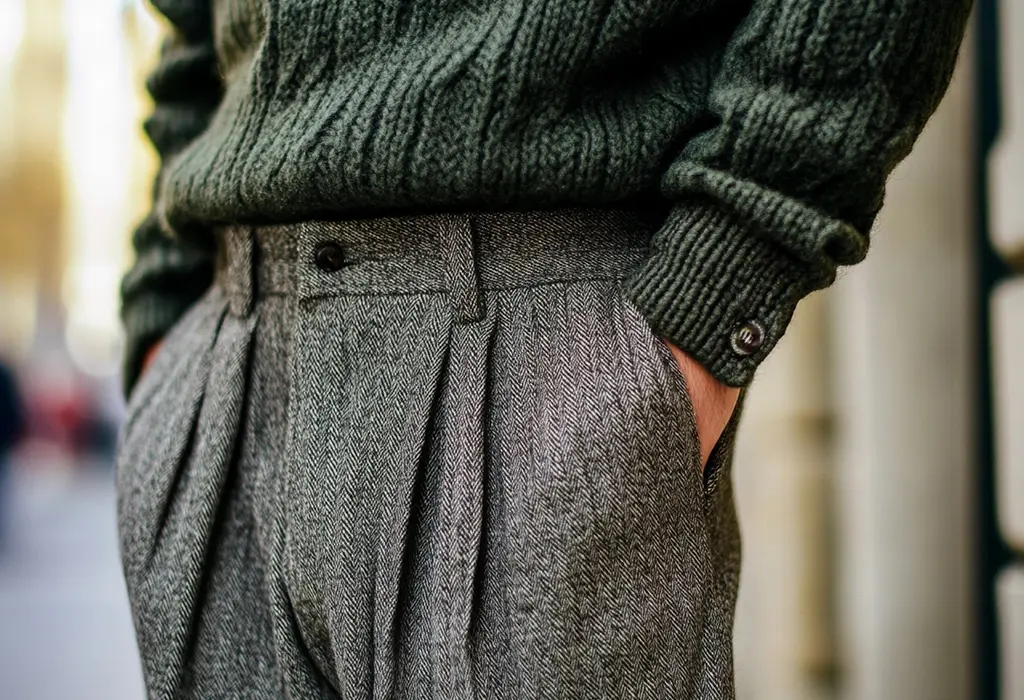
{"type": "Point", "coordinates": [460, 466]}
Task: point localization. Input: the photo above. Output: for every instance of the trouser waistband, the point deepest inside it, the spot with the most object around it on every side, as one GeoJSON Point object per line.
{"type": "Point", "coordinates": [456, 253]}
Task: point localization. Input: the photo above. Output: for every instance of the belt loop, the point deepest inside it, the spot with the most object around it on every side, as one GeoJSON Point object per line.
{"type": "Point", "coordinates": [458, 240]}
{"type": "Point", "coordinates": [240, 269]}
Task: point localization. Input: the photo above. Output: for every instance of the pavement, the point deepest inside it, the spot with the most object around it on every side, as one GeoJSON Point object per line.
{"type": "Point", "coordinates": [65, 626]}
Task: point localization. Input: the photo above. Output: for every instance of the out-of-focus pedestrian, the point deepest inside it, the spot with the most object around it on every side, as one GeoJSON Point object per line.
{"type": "Point", "coordinates": [12, 426]}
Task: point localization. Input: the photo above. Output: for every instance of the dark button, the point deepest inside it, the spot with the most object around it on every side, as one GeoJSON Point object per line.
{"type": "Point", "coordinates": [748, 338]}
{"type": "Point", "coordinates": [329, 257]}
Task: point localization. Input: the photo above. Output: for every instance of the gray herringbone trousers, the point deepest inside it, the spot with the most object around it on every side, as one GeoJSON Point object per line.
{"type": "Point", "coordinates": [455, 464]}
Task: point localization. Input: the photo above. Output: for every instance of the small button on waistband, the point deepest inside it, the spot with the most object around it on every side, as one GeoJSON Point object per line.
{"type": "Point", "coordinates": [329, 257]}
{"type": "Point", "coordinates": [748, 338]}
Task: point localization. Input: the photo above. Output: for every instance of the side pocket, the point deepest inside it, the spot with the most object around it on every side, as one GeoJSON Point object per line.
{"type": "Point", "coordinates": [149, 384]}
{"type": "Point", "coordinates": [654, 350]}
{"type": "Point", "coordinates": [722, 452]}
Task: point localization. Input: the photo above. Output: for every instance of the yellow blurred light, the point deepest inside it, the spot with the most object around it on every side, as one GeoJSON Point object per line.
{"type": "Point", "coordinates": [12, 29]}
{"type": "Point", "coordinates": [101, 143]}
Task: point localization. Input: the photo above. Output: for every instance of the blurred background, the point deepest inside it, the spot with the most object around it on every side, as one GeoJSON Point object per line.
{"type": "Point", "coordinates": [880, 471]}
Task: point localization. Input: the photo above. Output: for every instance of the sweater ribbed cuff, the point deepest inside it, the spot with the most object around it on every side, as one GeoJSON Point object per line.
{"type": "Point", "coordinates": [721, 294]}
{"type": "Point", "coordinates": [146, 319]}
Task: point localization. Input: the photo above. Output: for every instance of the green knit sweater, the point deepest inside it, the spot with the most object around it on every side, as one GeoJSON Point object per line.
{"type": "Point", "coordinates": [767, 126]}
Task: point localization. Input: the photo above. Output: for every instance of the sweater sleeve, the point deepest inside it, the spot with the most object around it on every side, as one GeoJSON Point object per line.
{"type": "Point", "coordinates": [170, 272]}
{"type": "Point", "coordinates": [813, 105]}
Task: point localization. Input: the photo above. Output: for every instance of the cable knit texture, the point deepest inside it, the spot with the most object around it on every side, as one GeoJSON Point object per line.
{"type": "Point", "coordinates": [768, 127]}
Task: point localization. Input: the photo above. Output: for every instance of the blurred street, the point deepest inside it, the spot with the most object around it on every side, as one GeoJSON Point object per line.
{"type": "Point", "coordinates": [66, 630]}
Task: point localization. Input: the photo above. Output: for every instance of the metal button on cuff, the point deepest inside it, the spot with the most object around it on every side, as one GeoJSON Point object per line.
{"type": "Point", "coordinates": [329, 257]}
{"type": "Point", "coordinates": [748, 338]}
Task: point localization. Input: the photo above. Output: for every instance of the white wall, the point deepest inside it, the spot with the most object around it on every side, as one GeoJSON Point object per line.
{"type": "Point", "coordinates": [903, 367]}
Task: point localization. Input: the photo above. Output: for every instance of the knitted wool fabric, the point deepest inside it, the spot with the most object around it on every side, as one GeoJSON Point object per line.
{"type": "Point", "coordinates": [766, 129]}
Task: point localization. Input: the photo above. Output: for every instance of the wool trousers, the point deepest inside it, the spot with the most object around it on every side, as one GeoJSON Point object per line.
{"type": "Point", "coordinates": [426, 457]}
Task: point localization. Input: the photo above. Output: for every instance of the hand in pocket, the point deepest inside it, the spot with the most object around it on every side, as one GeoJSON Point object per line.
{"type": "Point", "coordinates": [151, 356]}
{"type": "Point", "coordinates": [713, 401]}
